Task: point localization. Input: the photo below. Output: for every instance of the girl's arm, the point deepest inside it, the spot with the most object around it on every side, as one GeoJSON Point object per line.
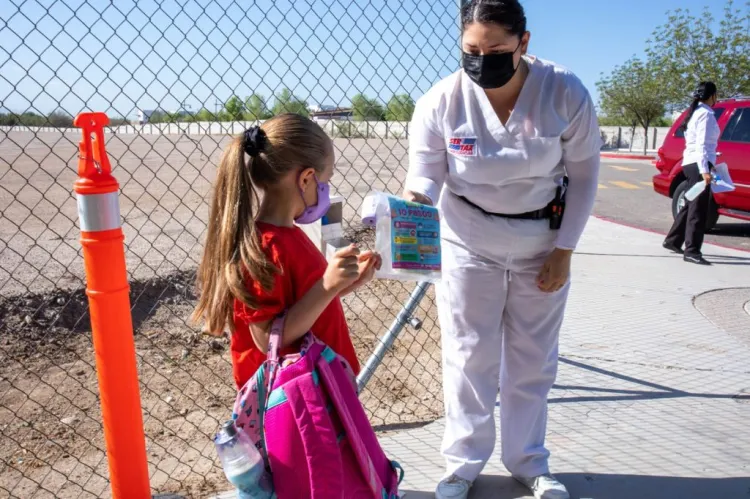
{"type": "Point", "coordinates": [342, 271]}
{"type": "Point", "coordinates": [299, 319]}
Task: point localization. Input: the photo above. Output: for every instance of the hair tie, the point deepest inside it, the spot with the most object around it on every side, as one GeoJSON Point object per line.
{"type": "Point", "coordinates": [254, 141]}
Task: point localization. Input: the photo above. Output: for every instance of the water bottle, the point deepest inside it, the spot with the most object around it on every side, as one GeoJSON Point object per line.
{"type": "Point", "coordinates": [695, 191]}
{"type": "Point", "coordinates": [242, 463]}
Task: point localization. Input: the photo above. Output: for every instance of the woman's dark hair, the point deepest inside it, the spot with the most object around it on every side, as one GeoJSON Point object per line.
{"type": "Point", "coordinates": [705, 91]}
{"type": "Point", "coordinates": [506, 13]}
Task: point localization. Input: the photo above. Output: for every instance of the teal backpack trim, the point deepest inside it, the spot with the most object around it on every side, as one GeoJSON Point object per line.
{"type": "Point", "coordinates": [278, 397]}
{"type": "Point", "coordinates": [260, 383]}
{"type": "Point", "coordinates": [329, 355]}
{"type": "Point", "coordinates": [400, 470]}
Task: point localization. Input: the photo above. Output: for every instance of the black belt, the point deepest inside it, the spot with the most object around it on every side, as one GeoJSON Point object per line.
{"type": "Point", "coordinates": [541, 214]}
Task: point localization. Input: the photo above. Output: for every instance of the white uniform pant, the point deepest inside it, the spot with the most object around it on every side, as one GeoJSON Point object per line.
{"type": "Point", "coordinates": [497, 326]}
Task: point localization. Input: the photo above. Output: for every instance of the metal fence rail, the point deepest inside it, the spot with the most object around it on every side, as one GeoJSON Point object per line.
{"type": "Point", "coordinates": [199, 65]}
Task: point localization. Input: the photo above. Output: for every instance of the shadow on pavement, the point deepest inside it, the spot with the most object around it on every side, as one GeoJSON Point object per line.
{"type": "Point", "coordinates": [593, 486]}
{"type": "Point", "coordinates": [486, 487]}
{"type": "Point", "coordinates": [731, 229]}
{"type": "Point", "coordinates": [715, 259]}
{"type": "Point", "coordinates": [600, 486]}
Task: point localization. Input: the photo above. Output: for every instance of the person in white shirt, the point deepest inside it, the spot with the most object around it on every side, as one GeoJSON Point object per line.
{"type": "Point", "coordinates": [701, 139]}
{"type": "Point", "coordinates": [492, 146]}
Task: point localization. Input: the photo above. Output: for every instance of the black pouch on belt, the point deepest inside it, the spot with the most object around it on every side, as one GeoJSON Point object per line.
{"type": "Point", "coordinates": [557, 206]}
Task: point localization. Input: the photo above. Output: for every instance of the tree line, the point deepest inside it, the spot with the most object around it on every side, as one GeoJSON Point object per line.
{"type": "Point", "coordinates": [252, 108]}
{"type": "Point", "coordinates": [58, 119]}
{"type": "Point", "coordinates": [682, 52]}
{"type": "Point", "coordinates": [256, 107]}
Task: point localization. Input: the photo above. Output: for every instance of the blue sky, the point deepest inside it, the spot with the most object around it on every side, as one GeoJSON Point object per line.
{"type": "Point", "coordinates": [116, 57]}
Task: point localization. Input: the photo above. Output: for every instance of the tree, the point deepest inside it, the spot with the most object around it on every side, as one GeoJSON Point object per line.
{"type": "Point", "coordinates": [60, 119]}
{"type": "Point", "coordinates": [689, 49]}
{"type": "Point", "coordinates": [256, 108]}
{"type": "Point", "coordinates": [366, 109]}
{"type": "Point", "coordinates": [618, 117]}
{"type": "Point", "coordinates": [158, 116]}
{"type": "Point", "coordinates": [286, 102]}
{"type": "Point", "coordinates": [399, 108]}
{"type": "Point", "coordinates": [234, 108]}
{"type": "Point", "coordinates": [9, 119]}
{"type": "Point", "coordinates": [205, 115]}
{"type": "Point", "coordinates": [118, 121]}
{"type": "Point", "coordinates": [633, 91]}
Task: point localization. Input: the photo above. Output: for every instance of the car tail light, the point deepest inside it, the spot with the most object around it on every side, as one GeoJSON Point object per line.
{"type": "Point", "coordinates": [661, 161]}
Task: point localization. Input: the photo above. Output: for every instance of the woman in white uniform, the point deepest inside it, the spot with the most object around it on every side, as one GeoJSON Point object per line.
{"type": "Point", "coordinates": [701, 140]}
{"type": "Point", "coordinates": [491, 145]}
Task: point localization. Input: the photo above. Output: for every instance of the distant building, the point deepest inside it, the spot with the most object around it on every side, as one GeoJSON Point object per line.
{"type": "Point", "coordinates": [322, 107]}
{"type": "Point", "coordinates": [320, 113]}
{"type": "Point", "coordinates": [144, 115]}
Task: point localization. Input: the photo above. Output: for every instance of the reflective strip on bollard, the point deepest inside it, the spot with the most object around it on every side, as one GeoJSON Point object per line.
{"type": "Point", "coordinates": [98, 212]}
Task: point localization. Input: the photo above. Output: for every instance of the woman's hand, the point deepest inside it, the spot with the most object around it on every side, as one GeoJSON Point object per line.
{"type": "Point", "coordinates": [707, 178]}
{"type": "Point", "coordinates": [416, 197]}
{"type": "Point", "coordinates": [555, 271]}
{"type": "Point", "coordinates": [368, 263]}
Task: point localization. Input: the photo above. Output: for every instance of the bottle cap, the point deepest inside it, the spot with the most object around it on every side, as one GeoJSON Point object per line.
{"type": "Point", "coordinates": [229, 429]}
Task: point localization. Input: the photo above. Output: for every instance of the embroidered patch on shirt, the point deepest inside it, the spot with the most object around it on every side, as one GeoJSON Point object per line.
{"type": "Point", "coordinates": [463, 146]}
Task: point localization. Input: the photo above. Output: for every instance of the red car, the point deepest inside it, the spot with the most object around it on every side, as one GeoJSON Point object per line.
{"type": "Point", "coordinates": [733, 116]}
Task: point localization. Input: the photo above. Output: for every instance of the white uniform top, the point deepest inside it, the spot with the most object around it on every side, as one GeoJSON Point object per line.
{"type": "Point", "coordinates": [457, 140]}
{"type": "Point", "coordinates": [701, 138]}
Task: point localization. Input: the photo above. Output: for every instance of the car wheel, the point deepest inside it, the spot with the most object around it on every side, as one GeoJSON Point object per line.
{"type": "Point", "coordinates": [679, 201]}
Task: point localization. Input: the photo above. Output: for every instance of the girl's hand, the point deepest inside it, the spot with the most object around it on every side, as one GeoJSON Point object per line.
{"type": "Point", "coordinates": [555, 271]}
{"type": "Point", "coordinates": [343, 270]}
{"type": "Point", "coordinates": [368, 263]}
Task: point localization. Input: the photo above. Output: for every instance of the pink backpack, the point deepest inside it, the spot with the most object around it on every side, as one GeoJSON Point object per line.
{"type": "Point", "coordinates": [311, 427]}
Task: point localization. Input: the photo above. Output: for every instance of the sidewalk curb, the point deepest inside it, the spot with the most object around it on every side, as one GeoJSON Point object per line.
{"type": "Point", "coordinates": [654, 231]}
{"type": "Point", "coordinates": [614, 155]}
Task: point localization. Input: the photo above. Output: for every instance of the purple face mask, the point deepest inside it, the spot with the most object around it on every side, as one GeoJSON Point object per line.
{"type": "Point", "coordinates": [315, 212]}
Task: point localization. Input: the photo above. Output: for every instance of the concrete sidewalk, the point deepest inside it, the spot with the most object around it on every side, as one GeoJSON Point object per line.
{"type": "Point", "coordinates": [652, 398]}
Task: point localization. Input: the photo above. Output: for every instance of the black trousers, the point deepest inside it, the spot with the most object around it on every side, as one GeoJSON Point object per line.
{"type": "Point", "coordinates": [689, 226]}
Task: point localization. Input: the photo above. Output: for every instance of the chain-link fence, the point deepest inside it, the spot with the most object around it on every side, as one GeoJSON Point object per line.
{"type": "Point", "coordinates": [176, 78]}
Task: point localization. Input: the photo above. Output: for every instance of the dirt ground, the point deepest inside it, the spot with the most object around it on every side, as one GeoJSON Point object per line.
{"type": "Point", "coordinates": [165, 183]}
{"type": "Point", "coordinates": [52, 444]}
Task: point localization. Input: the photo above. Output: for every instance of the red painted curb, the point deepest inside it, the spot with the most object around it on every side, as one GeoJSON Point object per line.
{"type": "Point", "coordinates": [654, 231]}
{"type": "Point", "coordinates": [614, 155]}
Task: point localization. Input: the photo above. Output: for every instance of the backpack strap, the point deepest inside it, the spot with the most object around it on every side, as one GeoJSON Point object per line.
{"type": "Point", "coordinates": [274, 338]}
{"type": "Point", "coordinates": [352, 433]}
{"type": "Point", "coordinates": [272, 356]}
{"type": "Point", "coordinates": [265, 377]}
{"type": "Point", "coordinates": [318, 437]}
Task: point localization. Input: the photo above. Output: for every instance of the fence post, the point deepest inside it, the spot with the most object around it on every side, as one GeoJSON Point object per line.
{"type": "Point", "coordinates": [109, 307]}
{"type": "Point", "coordinates": [404, 317]}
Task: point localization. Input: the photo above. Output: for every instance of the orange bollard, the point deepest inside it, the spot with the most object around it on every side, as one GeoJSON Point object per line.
{"type": "Point", "coordinates": [109, 306]}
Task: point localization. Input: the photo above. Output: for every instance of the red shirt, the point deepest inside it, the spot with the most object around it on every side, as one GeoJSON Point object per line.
{"type": "Point", "coordinates": [302, 265]}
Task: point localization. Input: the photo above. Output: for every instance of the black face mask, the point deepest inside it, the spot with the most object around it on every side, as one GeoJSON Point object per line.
{"type": "Point", "coordinates": [491, 70]}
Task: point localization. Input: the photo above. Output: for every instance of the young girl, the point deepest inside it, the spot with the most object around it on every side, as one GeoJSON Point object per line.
{"type": "Point", "coordinates": [257, 263]}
